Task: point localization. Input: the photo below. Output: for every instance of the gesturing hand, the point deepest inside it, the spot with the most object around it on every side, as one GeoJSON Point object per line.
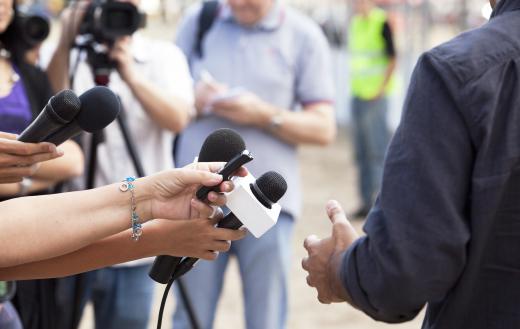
{"type": "Point", "coordinates": [324, 259]}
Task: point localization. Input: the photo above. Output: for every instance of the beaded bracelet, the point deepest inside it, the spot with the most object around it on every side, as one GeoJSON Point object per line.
{"type": "Point", "coordinates": [126, 185]}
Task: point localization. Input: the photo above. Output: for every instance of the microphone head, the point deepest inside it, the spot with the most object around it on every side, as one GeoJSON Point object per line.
{"type": "Point", "coordinates": [221, 145]}
{"type": "Point", "coordinates": [99, 107]}
{"type": "Point", "coordinates": [65, 105]}
{"type": "Point", "coordinates": [272, 185]}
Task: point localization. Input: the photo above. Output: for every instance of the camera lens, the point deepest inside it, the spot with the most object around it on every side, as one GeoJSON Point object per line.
{"type": "Point", "coordinates": [36, 29]}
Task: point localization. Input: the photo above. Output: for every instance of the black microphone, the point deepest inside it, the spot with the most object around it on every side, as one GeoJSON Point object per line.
{"type": "Point", "coordinates": [99, 107]}
{"type": "Point", "coordinates": [223, 145]}
{"type": "Point", "coordinates": [58, 112]}
{"type": "Point", "coordinates": [267, 190]}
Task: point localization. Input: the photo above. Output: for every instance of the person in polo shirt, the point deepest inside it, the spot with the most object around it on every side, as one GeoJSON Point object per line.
{"type": "Point", "coordinates": [262, 69]}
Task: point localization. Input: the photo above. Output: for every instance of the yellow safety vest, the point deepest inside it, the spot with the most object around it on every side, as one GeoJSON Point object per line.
{"type": "Point", "coordinates": [368, 60]}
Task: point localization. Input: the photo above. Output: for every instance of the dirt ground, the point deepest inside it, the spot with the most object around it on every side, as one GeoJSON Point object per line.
{"type": "Point", "coordinates": [327, 173]}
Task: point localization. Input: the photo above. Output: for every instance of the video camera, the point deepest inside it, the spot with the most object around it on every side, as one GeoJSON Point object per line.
{"type": "Point", "coordinates": [103, 23]}
{"type": "Point", "coordinates": [34, 26]}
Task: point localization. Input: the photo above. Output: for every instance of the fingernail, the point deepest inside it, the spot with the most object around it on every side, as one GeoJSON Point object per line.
{"type": "Point", "coordinates": [332, 204]}
{"type": "Point", "coordinates": [216, 177]}
{"type": "Point", "coordinates": [60, 152]}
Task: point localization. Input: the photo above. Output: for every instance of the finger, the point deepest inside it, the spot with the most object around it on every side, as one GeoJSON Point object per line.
{"type": "Point", "coordinates": [9, 180]}
{"type": "Point", "coordinates": [221, 246]}
{"type": "Point", "coordinates": [309, 281]}
{"type": "Point", "coordinates": [335, 212]}
{"type": "Point", "coordinates": [20, 148]}
{"type": "Point", "coordinates": [7, 135]}
{"type": "Point", "coordinates": [206, 166]}
{"type": "Point", "coordinates": [227, 186]}
{"type": "Point", "coordinates": [225, 234]}
{"type": "Point", "coordinates": [26, 171]}
{"type": "Point", "coordinates": [7, 160]}
{"type": "Point", "coordinates": [201, 209]}
{"type": "Point", "coordinates": [209, 255]}
{"type": "Point", "coordinates": [217, 199]}
{"type": "Point", "coordinates": [305, 263]}
{"type": "Point", "coordinates": [189, 177]}
{"type": "Point", "coordinates": [309, 242]}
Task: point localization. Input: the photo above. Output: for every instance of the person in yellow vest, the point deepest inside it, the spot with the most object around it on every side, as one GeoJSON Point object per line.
{"type": "Point", "coordinates": [372, 63]}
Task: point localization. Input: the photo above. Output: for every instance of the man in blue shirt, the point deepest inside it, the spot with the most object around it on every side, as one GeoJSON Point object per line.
{"type": "Point", "coordinates": [264, 71]}
{"type": "Point", "coordinates": [445, 230]}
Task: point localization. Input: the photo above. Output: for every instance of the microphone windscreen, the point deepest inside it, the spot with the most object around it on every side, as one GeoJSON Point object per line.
{"type": "Point", "coordinates": [99, 107]}
{"type": "Point", "coordinates": [221, 146]}
{"type": "Point", "coordinates": [272, 185]}
{"type": "Point", "coordinates": [65, 105]}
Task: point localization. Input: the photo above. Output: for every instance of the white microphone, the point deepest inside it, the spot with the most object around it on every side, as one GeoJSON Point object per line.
{"type": "Point", "coordinates": [253, 204]}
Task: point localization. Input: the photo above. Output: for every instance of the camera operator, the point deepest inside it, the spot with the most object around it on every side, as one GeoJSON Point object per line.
{"type": "Point", "coordinates": [153, 81]}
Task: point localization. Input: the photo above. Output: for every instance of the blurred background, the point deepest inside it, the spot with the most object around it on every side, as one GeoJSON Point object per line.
{"type": "Point", "coordinates": [328, 172]}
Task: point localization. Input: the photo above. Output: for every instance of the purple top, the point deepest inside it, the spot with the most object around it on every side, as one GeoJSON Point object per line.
{"type": "Point", "coordinates": [15, 110]}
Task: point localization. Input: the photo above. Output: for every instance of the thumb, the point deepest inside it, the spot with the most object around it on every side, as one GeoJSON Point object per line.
{"type": "Point", "coordinates": [335, 212]}
{"type": "Point", "coordinates": [342, 231]}
{"type": "Point", "coordinates": [189, 177]}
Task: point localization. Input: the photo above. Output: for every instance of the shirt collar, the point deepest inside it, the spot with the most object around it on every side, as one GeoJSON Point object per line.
{"type": "Point", "coordinates": [271, 21]}
{"type": "Point", "coordinates": [504, 6]}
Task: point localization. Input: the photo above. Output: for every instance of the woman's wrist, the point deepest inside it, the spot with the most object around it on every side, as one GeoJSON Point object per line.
{"type": "Point", "coordinates": [143, 198]}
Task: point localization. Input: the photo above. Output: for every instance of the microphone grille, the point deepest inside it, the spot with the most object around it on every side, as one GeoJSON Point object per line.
{"type": "Point", "coordinates": [66, 105]}
{"type": "Point", "coordinates": [272, 185]}
{"type": "Point", "coordinates": [221, 146]}
{"type": "Point", "coordinates": [99, 107]}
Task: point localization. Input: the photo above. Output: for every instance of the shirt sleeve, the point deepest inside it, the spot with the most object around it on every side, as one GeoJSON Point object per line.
{"type": "Point", "coordinates": [389, 40]}
{"type": "Point", "coordinates": [187, 31]}
{"type": "Point", "coordinates": [314, 76]}
{"type": "Point", "coordinates": [417, 233]}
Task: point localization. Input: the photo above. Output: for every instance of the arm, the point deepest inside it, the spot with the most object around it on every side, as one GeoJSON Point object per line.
{"type": "Point", "coordinates": [158, 98]}
{"type": "Point", "coordinates": [417, 233]}
{"type": "Point", "coordinates": [195, 238]}
{"type": "Point", "coordinates": [392, 57]}
{"type": "Point", "coordinates": [69, 221]}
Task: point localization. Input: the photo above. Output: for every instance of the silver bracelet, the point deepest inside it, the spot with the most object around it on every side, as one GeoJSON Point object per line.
{"type": "Point", "coordinates": [137, 229]}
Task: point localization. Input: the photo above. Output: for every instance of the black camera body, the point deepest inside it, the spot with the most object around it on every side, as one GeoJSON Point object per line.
{"type": "Point", "coordinates": [109, 20]}
{"type": "Point", "coordinates": [103, 23]}
{"type": "Point", "coordinates": [34, 27]}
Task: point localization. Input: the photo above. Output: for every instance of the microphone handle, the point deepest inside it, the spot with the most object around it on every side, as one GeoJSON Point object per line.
{"type": "Point", "coordinates": [70, 130]}
{"type": "Point", "coordinates": [230, 222]}
{"type": "Point", "coordinates": [169, 266]}
{"type": "Point", "coordinates": [44, 125]}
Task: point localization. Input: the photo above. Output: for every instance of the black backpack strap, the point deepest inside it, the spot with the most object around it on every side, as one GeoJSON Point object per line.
{"type": "Point", "coordinates": [206, 19]}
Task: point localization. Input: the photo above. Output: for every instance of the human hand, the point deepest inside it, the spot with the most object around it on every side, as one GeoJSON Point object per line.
{"type": "Point", "coordinates": [244, 109]}
{"type": "Point", "coordinates": [171, 194]}
{"type": "Point", "coordinates": [205, 91]}
{"type": "Point", "coordinates": [121, 54]}
{"type": "Point", "coordinates": [324, 260]}
{"type": "Point", "coordinates": [194, 238]}
{"type": "Point", "coordinates": [71, 18]}
{"type": "Point", "coordinates": [18, 159]}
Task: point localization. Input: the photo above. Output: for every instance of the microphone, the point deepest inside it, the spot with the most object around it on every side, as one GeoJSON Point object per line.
{"type": "Point", "coordinates": [59, 111]}
{"type": "Point", "coordinates": [99, 107]}
{"type": "Point", "coordinates": [253, 204]}
{"type": "Point", "coordinates": [223, 145]}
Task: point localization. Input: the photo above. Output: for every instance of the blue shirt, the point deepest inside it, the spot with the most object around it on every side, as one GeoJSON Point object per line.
{"type": "Point", "coordinates": [445, 229]}
{"type": "Point", "coordinates": [284, 60]}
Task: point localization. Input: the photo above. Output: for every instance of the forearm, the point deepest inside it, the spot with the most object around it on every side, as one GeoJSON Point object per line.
{"type": "Point", "coordinates": [58, 69]}
{"type": "Point", "coordinates": [12, 190]}
{"type": "Point", "coordinates": [70, 165]}
{"type": "Point", "coordinates": [388, 73]}
{"type": "Point", "coordinates": [115, 249]}
{"type": "Point", "coordinates": [168, 111]}
{"type": "Point", "coordinates": [59, 224]}
{"type": "Point", "coordinates": [314, 125]}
